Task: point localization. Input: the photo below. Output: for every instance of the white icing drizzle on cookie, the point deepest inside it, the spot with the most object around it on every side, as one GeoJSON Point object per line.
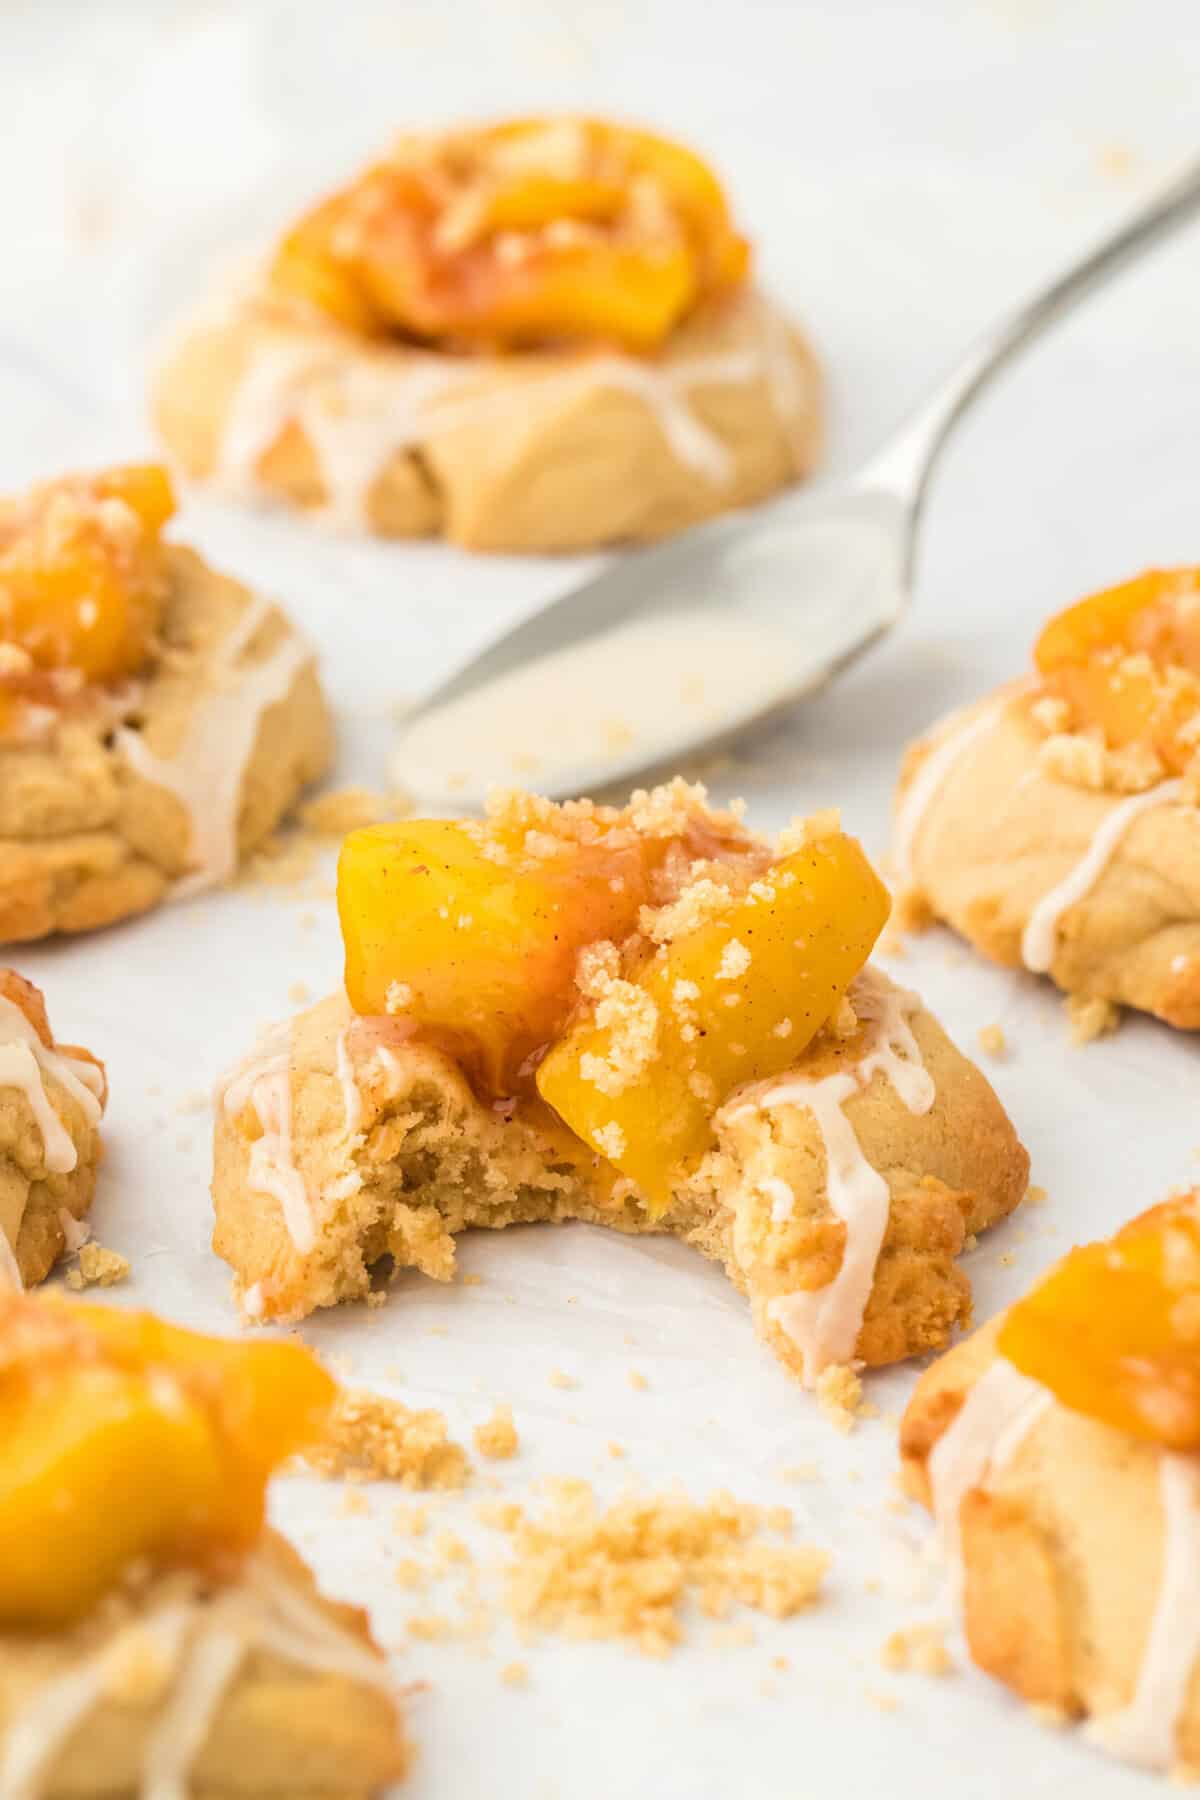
{"type": "Point", "coordinates": [351, 1097]}
{"type": "Point", "coordinates": [207, 771]}
{"type": "Point", "coordinates": [27, 1064]}
{"type": "Point", "coordinates": [824, 1325]}
{"type": "Point", "coordinates": [986, 1433]}
{"type": "Point", "coordinates": [357, 415]}
{"type": "Point", "coordinates": [954, 739]}
{"type": "Point", "coordinates": [263, 1081]}
{"type": "Point", "coordinates": [202, 1641]}
{"type": "Point", "coordinates": [1041, 932]}
{"type": "Point", "coordinates": [1145, 1731]}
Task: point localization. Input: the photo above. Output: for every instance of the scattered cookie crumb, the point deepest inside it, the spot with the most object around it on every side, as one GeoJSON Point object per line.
{"type": "Point", "coordinates": [638, 1380]}
{"type": "Point", "coordinates": [839, 1395]}
{"type": "Point", "coordinates": [917, 1650]}
{"type": "Point", "coordinates": [800, 1472]}
{"type": "Point", "coordinates": [410, 1521]}
{"type": "Point", "coordinates": [449, 1550]}
{"type": "Point", "coordinates": [370, 1438]}
{"type": "Point", "coordinates": [1089, 1018]}
{"type": "Point", "coordinates": [559, 1379]}
{"type": "Point", "coordinates": [97, 1267]}
{"type": "Point", "coordinates": [782, 1663]}
{"type": "Point", "coordinates": [992, 1040]}
{"type": "Point", "coordinates": [299, 993]}
{"type": "Point", "coordinates": [1036, 1196]}
{"type": "Point", "coordinates": [617, 1450]}
{"type": "Point", "coordinates": [354, 1504]}
{"type": "Point", "coordinates": [886, 1703]}
{"type": "Point", "coordinates": [624, 1572]}
{"type": "Point", "coordinates": [497, 1437]}
{"type": "Point", "coordinates": [472, 1281]}
{"type": "Point", "coordinates": [429, 1627]}
{"type": "Point", "coordinates": [515, 1674]}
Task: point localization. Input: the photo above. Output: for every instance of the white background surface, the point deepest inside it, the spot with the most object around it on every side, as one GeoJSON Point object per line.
{"type": "Point", "coordinates": [906, 170]}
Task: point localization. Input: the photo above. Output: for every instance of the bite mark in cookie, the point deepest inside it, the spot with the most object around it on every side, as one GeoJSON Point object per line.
{"type": "Point", "coordinates": [842, 1153]}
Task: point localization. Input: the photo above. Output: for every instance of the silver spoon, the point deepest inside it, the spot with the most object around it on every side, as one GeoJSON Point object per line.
{"type": "Point", "coordinates": [681, 647]}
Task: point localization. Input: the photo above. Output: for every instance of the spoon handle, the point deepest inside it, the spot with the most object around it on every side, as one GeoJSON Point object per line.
{"type": "Point", "coordinates": [904, 464]}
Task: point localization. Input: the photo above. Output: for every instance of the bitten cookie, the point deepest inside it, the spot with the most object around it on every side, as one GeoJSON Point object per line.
{"type": "Point", "coordinates": [538, 336]}
{"type": "Point", "coordinates": [157, 719]}
{"type": "Point", "coordinates": [794, 1116]}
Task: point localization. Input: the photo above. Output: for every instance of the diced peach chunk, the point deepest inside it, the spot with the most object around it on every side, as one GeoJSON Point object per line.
{"type": "Point", "coordinates": [127, 1439]}
{"type": "Point", "coordinates": [1127, 662]}
{"type": "Point", "coordinates": [732, 1000]}
{"type": "Point", "coordinates": [529, 232]}
{"type": "Point", "coordinates": [473, 937]}
{"type": "Point", "coordinates": [80, 571]}
{"type": "Point", "coordinates": [1114, 1329]}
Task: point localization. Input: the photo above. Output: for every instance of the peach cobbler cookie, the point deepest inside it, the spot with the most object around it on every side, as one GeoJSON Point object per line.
{"type": "Point", "coordinates": [1059, 1449]}
{"type": "Point", "coordinates": [155, 1636]}
{"type": "Point", "coordinates": [538, 335]}
{"type": "Point", "coordinates": [1056, 825]}
{"type": "Point", "coordinates": [51, 1100]}
{"type": "Point", "coordinates": [156, 719]}
{"type": "Point", "coordinates": [647, 1018]}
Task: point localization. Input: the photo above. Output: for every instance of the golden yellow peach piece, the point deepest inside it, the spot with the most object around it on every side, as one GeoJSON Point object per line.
{"type": "Point", "coordinates": [127, 1439]}
{"type": "Point", "coordinates": [735, 999]}
{"type": "Point", "coordinates": [80, 577]}
{"type": "Point", "coordinates": [1114, 1329]}
{"type": "Point", "coordinates": [472, 937]}
{"type": "Point", "coordinates": [530, 232]}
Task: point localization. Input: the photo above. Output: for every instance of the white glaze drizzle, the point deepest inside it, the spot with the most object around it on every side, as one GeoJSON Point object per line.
{"type": "Point", "coordinates": [207, 771]}
{"type": "Point", "coordinates": [990, 1426]}
{"type": "Point", "coordinates": [263, 1081]}
{"type": "Point", "coordinates": [351, 1097]}
{"type": "Point", "coordinates": [186, 1720]}
{"type": "Point", "coordinates": [358, 415]}
{"type": "Point", "coordinates": [204, 1642]}
{"type": "Point", "coordinates": [1041, 932]}
{"type": "Point", "coordinates": [1145, 1731]}
{"type": "Point", "coordinates": [954, 739]}
{"type": "Point", "coordinates": [26, 1063]}
{"type": "Point", "coordinates": [824, 1324]}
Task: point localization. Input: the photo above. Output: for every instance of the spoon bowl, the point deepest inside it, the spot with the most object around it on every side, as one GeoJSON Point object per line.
{"type": "Point", "coordinates": [682, 647]}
